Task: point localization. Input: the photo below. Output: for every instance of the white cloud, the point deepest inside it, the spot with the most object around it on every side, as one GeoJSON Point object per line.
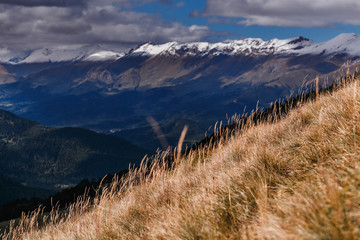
{"type": "Point", "coordinates": [287, 13]}
{"type": "Point", "coordinates": [47, 24]}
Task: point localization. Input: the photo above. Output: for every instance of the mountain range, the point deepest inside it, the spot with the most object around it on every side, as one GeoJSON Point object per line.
{"type": "Point", "coordinates": [117, 93]}
{"type": "Point", "coordinates": [342, 44]}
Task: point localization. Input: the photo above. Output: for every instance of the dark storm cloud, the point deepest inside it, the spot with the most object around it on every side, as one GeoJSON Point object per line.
{"type": "Point", "coordinates": [45, 23]}
{"type": "Point", "coordinates": [294, 13]}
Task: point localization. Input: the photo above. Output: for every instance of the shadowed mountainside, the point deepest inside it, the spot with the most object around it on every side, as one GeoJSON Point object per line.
{"type": "Point", "coordinates": [11, 190]}
{"type": "Point", "coordinates": [51, 158]}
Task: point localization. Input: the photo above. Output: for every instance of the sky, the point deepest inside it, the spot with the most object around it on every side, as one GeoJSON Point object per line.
{"type": "Point", "coordinates": [31, 24]}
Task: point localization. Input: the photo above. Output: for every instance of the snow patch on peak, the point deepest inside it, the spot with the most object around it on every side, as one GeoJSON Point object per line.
{"type": "Point", "coordinates": [46, 52]}
{"type": "Point", "coordinates": [149, 49]}
{"type": "Point", "coordinates": [346, 43]}
{"type": "Point", "coordinates": [345, 37]}
{"type": "Point", "coordinates": [343, 44]}
{"type": "Point", "coordinates": [230, 47]}
{"type": "Point", "coordinates": [53, 55]}
{"type": "Point", "coordinates": [104, 56]}
{"type": "Point", "coordinates": [75, 53]}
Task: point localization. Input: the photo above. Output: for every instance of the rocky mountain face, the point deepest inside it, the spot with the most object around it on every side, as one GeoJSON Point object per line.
{"type": "Point", "coordinates": [175, 84]}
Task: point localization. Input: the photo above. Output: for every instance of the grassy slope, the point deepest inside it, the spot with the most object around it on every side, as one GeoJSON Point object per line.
{"type": "Point", "coordinates": [298, 178]}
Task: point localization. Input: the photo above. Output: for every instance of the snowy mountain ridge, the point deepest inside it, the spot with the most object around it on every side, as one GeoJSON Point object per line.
{"type": "Point", "coordinates": [60, 54]}
{"type": "Point", "coordinates": [246, 46]}
{"type": "Point", "coordinates": [348, 43]}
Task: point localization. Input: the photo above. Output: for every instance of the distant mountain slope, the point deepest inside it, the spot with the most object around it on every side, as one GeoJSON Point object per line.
{"type": "Point", "coordinates": [11, 190]}
{"type": "Point", "coordinates": [56, 157]}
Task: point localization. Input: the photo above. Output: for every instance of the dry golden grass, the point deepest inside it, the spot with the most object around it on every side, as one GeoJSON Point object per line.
{"type": "Point", "coordinates": [298, 178]}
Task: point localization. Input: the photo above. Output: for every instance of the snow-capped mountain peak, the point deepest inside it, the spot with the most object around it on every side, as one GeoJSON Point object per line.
{"type": "Point", "coordinates": [60, 54]}
{"type": "Point", "coordinates": [230, 47]}
{"type": "Point", "coordinates": [348, 43]}
{"type": "Point", "coordinates": [149, 49]}
{"type": "Point", "coordinates": [104, 56]}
